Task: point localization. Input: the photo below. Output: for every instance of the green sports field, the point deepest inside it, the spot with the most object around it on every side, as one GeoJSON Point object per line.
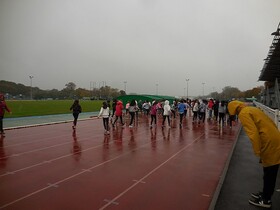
{"type": "Point", "coordinates": [22, 108]}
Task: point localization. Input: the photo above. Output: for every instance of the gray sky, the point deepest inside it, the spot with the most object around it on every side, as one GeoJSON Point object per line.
{"type": "Point", "coordinates": [144, 42]}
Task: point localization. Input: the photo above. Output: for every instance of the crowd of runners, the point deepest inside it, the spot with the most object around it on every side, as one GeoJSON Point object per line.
{"type": "Point", "coordinates": [196, 110]}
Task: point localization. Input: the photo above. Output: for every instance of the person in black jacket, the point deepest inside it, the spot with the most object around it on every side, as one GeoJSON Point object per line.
{"type": "Point", "coordinates": [77, 109]}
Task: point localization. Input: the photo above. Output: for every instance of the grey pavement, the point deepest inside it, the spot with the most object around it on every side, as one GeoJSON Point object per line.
{"type": "Point", "coordinates": [243, 176]}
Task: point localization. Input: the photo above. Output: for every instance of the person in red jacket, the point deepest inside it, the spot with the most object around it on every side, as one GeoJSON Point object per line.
{"type": "Point", "coordinates": [119, 112]}
{"type": "Point", "coordinates": [3, 108]}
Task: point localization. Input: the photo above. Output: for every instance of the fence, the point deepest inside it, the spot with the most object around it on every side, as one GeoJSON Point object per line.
{"type": "Point", "coordinates": [272, 113]}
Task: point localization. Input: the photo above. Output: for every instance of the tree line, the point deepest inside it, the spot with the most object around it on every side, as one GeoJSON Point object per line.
{"type": "Point", "coordinates": [20, 91]}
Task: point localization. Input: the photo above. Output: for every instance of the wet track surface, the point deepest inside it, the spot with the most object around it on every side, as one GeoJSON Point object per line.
{"type": "Point", "coordinates": [52, 167]}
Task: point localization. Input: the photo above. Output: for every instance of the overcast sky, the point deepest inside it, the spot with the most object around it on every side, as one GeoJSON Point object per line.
{"type": "Point", "coordinates": [153, 45]}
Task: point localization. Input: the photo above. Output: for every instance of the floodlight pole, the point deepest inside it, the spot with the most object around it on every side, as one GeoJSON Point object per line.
{"type": "Point", "coordinates": [187, 80]}
{"type": "Point", "coordinates": [31, 77]}
{"type": "Point", "coordinates": [156, 89]}
{"type": "Point", "coordinates": [203, 83]}
{"type": "Point", "coordinates": [125, 86]}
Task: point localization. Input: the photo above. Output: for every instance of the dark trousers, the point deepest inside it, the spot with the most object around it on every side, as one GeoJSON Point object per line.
{"type": "Point", "coordinates": [75, 115]}
{"type": "Point", "coordinates": [231, 119]}
{"type": "Point", "coordinates": [202, 116]}
{"type": "Point", "coordinates": [168, 119]}
{"type": "Point", "coordinates": [222, 118]}
{"type": "Point", "coordinates": [185, 112]}
{"type": "Point", "coordinates": [194, 115]}
{"type": "Point", "coordinates": [117, 117]}
{"type": "Point", "coordinates": [132, 116]}
{"type": "Point", "coordinates": [181, 117]}
{"type": "Point", "coordinates": [269, 180]}
{"type": "Point", "coordinates": [153, 119]}
{"type": "Point", "coordinates": [1, 124]}
{"type": "Point", "coordinates": [106, 123]}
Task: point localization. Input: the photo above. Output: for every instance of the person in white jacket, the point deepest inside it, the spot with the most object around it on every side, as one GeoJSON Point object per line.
{"type": "Point", "coordinates": [105, 113]}
{"type": "Point", "coordinates": [166, 113]}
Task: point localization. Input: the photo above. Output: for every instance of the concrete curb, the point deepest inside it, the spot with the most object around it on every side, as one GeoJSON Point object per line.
{"type": "Point", "coordinates": [224, 173]}
{"type": "Point", "coordinates": [49, 123]}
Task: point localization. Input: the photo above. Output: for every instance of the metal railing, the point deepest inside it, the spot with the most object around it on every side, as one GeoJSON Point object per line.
{"type": "Point", "coordinates": [272, 113]}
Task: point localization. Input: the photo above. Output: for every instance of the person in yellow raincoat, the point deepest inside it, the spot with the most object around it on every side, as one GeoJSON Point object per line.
{"type": "Point", "coordinates": [265, 139]}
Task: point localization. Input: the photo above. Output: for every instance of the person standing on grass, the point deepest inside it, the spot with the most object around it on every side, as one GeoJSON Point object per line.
{"type": "Point", "coordinates": [3, 108]}
{"type": "Point", "coordinates": [76, 109]}
{"type": "Point", "coordinates": [118, 113]}
{"type": "Point", "coordinates": [105, 113]}
{"type": "Point", "coordinates": [265, 138]}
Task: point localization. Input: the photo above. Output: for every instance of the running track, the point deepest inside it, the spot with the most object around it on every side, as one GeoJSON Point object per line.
{"type": "Point", "coordinates": [52, 167]}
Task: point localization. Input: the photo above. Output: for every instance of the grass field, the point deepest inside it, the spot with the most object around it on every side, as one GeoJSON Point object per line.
{"type": "Point", "coordinates": [21, 108]}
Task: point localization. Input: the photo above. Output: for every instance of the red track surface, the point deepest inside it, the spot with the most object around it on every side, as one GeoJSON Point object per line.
{"type": "Point", "coordinates": [50, 167]}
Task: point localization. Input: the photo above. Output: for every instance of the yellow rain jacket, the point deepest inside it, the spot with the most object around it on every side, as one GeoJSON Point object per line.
{"type": "Point", "coordinates": [262, 131]}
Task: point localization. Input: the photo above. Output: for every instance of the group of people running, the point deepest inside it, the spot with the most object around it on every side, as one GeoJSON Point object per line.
{"type": "Point", "coordinates": [214, 110]}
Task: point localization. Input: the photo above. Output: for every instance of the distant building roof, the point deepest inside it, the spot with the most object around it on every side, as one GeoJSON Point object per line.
{"type": "Point", "coordinates": [271, 68]}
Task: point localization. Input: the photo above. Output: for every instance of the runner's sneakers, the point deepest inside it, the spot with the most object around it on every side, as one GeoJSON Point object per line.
{"type": "Point", "coordinates": [256, 195]}
{"type": "Point", "coordinates": [260, 202]}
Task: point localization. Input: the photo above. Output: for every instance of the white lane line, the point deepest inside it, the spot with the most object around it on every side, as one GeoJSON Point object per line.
{"type": "Point", "coordinates": [52, 185]}
{"type": "Point", "coordinates": [86, 170]}
{"type": "Point", "coordinates": [44, 148]}
{"type": "Point", "coordinates": [139, 181]}
{"type": "Point", "coordinates": [55, 159]}
{"type": "Point", "coordinates": [37, 150]}
{"type": "Point", "coordinates": [47, 161]}
{"type": "Point", "coordinates": [38, 141]}
{"type": "Point", "coordinates": [151, 172]}
{"type": "Point", "coordinates": [108, 201]}
{"type": "Point", "coordinates": [43, 139]}
{"type": "Point", "coordinates": [71, 177]}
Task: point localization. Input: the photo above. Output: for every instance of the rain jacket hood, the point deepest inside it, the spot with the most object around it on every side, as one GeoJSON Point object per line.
{"type": "Point", "coordinates": [234, 107]}
{"type": "Point", "coordinates": [119, 108]}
